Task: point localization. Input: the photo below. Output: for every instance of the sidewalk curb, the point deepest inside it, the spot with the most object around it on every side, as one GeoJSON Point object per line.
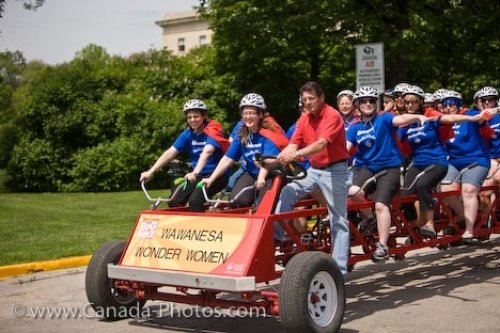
{"type": "Point", "coordinates": [39, 266]}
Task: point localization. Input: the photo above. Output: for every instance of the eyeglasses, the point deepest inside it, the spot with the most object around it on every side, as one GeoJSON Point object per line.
{"type": "Point", "coordinates": [250, 114]}
{"type": "Point", "coordinates": [408, 102]}
{"type": "Point", "coordinates": [367, 100]}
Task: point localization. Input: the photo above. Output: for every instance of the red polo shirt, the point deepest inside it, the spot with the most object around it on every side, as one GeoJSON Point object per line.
{"type": "Point", "coordinates": [328, 124]}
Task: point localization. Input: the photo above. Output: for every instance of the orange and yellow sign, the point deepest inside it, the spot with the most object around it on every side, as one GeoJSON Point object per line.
{"type": "Point", "coordinates": [187, 243]}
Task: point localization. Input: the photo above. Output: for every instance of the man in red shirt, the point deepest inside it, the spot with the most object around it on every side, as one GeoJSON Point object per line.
{"type": "Point", "coordinates": [320, 136]}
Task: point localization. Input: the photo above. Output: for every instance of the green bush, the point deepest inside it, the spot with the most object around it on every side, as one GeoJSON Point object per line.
{"type": "Point", "coordinates": [106, 167]}
{"type": "Point", "coordinates": [35, 166]}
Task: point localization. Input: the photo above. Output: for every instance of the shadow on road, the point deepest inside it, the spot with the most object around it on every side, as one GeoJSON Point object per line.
{"type": "Point", "coordinates": [385, 286]}
{"type": "Point", "coordinates": [370, 288]}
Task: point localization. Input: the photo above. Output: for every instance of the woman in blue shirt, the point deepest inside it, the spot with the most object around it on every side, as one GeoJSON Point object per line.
{"type": "Point", "coordinates": [465, 148]}
{"type": "Point", "coordinates": [487, 98]}
{"type": "Point", "coordinates": [205, 144]}
{"type": "Point", "coordinates": [256, 136]}
{"type": "Point", "coordinates": [428, 150]}
{"type": "Point", "coordinates": [374, 138]}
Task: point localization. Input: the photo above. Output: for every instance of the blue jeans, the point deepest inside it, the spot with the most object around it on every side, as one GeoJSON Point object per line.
{"type": "Point", "coordinates": [332, 183]}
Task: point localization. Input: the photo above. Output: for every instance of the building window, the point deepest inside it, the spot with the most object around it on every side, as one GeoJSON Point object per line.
{"type": "Point", "coordinates": [203, 40]}
{"type": "Point", "coordinates": [181, 44]}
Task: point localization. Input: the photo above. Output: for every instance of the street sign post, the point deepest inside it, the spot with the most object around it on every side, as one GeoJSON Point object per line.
{"type": "Point", "coordinates": [370, 66]}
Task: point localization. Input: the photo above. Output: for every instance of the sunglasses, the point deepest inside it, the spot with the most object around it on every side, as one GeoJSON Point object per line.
{"type": "Point", "coordinates": [451, 102]}
{"type": "Point", "coordinates": [488, 99]}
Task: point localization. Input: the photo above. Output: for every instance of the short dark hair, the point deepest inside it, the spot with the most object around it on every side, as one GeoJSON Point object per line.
{"type": "Point", "coordinates": [312, 86]}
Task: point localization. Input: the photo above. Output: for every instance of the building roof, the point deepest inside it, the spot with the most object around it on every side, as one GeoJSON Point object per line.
{"type": "Point", "coordinates": [178, 18]}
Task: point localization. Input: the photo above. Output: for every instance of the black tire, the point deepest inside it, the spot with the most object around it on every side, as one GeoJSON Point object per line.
{"type": "Point", "coordinates": [108, 302]}
{"type": "Point", "coordinates": [312, 294]}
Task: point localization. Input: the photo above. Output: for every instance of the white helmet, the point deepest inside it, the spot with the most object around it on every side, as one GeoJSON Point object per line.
{"type": "Point", "coordinates": [400, 88]}
{"type": "Point", "coordinates": [414, 90]}
{"type": "Point", "coordinates": [194, 104]}
{"type": "Point", "coordinates": [452, 93]}
{"type": "Point", "coordinates": [428, 98]}
{"type": "Point", "coordinates": [346, 92]}
{"type": "Point", "coordinates": [440, 93]}
{"type": "Point", "coordinates": [366, 92]}
{"type": "Point", "coordinates": [254, 100]}
{"type": "Point", "coordinates": [486, 92]}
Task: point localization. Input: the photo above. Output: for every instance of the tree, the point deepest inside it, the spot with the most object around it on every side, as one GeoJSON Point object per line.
{"type": "Point", "coordinates": [95, 123]}
{"type": "Point", "coordinates": [30, 5]}
{"type": "Point", "coordinates": [274, 47]}
{"type": "Point", "coordinates": [12, 64]}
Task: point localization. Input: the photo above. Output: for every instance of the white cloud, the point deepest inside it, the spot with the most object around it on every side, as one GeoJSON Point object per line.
{"type": "Point", "coordinates": [60, 28]}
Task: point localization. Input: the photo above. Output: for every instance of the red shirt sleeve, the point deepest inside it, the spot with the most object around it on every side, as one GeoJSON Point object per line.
{"type": "Point", "coordinates": [332, 127]}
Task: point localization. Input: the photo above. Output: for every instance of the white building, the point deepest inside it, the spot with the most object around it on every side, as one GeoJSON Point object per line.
{"type": "Point", "coordinates": [184, 31]}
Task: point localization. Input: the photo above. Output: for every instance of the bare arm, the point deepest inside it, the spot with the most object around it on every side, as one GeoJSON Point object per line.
{"type": "Point", "coordinates": [224, 164]}
{"type": "Point", "coordinates": [407, 119]}
{"type": "Point", "coordinates": [458, 118]}
{"type": "Point", "coordinates": [288, 154]}
{"type": "Point", "coordinates": [261, 178]}
{"type": "Point", "coordinates": [208, 150]}
{"type": "Point", "coordinates": [292, 154]}
{"type": "Point", "coordinates": [166, 157]}
{"type": "Point", "coordinates": [349, 145]}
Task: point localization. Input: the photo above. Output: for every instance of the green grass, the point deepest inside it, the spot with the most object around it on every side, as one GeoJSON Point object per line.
{"type": "Point", "coordinates": [47, 226]}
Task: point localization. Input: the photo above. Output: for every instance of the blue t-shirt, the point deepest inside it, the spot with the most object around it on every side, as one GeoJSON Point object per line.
{"type": "Point", "coordinates": [494, 124]}
{"type": "Point", "coordinates": [353, 159]}
{"type": "Point", "coordinates": [350, 121]}
{"type": "Point", "coordinates": [468, 146]}
{"type": "Point", "coordinates": [236, 128]}
{"type": "Point", "coordinates": [425, 144]}
{"type": "Point", "coordinates": [256, 144]}
{"type": "Point", "coordinates": [377, 148]}
{"type": "Point", "coordinates": [193, 144]}
{"type": "Point", "coordinates": [304, 162]}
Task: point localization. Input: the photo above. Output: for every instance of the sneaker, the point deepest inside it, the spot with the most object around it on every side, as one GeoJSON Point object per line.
{"type": "Point", "coordinates": [448, 231]}
{"type": "Point", "coordinates": [381, 253]}
{"type": "Point", "coordinates": [427, 232]}
{"type": "Point", "coordinates": [368, 226]}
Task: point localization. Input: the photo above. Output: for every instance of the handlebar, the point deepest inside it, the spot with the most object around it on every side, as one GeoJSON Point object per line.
{"type": "Point", "coordinates": [470, 166]}
{"type": "Point", "coordinates": [156, 201]}
{"type": "Point", "coordinates": [216, 202]}
{"type": "Point", "coordinates": [370, 180]}
{"type": "Point", "coordinates": [494, 172]}
{"type": "Point", "coordinates": [292, 170]}
{"type": "Point", "coordinates": [420, 174]}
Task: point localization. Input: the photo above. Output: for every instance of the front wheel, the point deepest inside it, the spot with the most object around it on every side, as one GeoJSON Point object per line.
{"type": "Point", "coordinates": [106, 300]}
{"type": "Point", "coordinates": [312, 294]}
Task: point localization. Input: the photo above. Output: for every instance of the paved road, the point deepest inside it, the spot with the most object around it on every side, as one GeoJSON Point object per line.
{"type": "Point", "coordinates": [457, 290]}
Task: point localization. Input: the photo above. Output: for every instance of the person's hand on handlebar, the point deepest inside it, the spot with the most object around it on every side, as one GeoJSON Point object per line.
{"type": "Point", "coordinates": [146, 176]}
{"type": "Point", "coordinates": [287, 155]}
{"type": "Point", "coordinates": [191, 177]}
{"type": "Point", "coordinates": [207, 181]}
{"type": "Point", "coordinates": [260, 182]}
